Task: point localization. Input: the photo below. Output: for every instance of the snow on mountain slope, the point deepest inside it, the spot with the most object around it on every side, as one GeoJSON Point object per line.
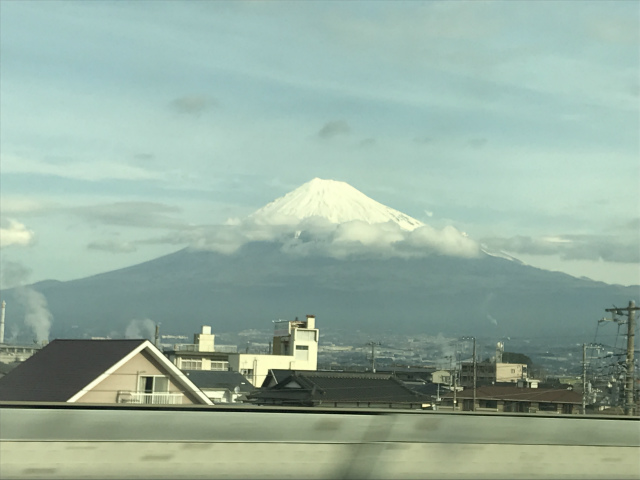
{"type": "Point", "coordinates": [337, 202]}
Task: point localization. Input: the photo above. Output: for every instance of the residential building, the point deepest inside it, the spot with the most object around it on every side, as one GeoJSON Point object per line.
{"type": "Point", "coordinates": [202, 354]}
{"type": "Point", "coordinates": [514, 399]}
{"type": "Point", "coordinates": [100, 371]}
{"type": "Point", "coordinates": [490, 373]}
{"type": "Point", "coordinates": [337, 389]}
{"type": "Point", "coordinates": [295, 347]}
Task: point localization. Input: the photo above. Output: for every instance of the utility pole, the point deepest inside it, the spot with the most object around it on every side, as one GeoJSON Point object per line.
{"type": "Point", "coordinates": [475, 371]}
{"type": "Point", "coordinates": [630, 374]}
{"type": "Point", "coordinates": [584, 378]}
{"type": "Point", "coordinates": [455, 387]}
{"type": "Point", "coordinates": [373, 355]}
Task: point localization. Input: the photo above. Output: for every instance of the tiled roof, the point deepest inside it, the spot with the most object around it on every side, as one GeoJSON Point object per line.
{"type": "Point", "coordinates": [62, 369]}
{"type": "Point", "coordinates": [331, 387]}
{"type": "Point", "coordinates": [545, 395]}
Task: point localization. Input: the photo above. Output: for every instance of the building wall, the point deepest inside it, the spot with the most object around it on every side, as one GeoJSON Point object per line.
{"type": "Point", "coordinates": [126, 379]}
{"type": "Point", "coordinates": [256, 367]}
{"type": "Point", "coordinates": [442, 377]}
{"type": "Point", "coordinates": [510, 372]}
{"type": "Point", "coordinates": [16, 353]}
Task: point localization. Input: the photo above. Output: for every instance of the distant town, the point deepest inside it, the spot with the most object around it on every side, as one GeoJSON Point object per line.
{"type": "Point", "coordinates": [297, 365]}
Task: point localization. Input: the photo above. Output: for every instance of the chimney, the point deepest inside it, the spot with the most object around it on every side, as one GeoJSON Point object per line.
{"type": "Point", "coordinates": [4, 304]}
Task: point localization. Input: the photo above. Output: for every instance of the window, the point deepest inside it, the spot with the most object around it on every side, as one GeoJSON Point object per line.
{"type": "Point", "coordinates": [220, 366]}
{"type": "Point", "coordinates": [153, 384]}
{"type": "Point", "coordinates": [302, 353]}
{"type": "Point", "coordinates": [190, 364]}
{"type": "Point", "coordinates": [548, 407]}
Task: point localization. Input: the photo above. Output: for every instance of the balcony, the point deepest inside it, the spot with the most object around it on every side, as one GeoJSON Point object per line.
{"type": "Point", "coordinates": [138, 398]}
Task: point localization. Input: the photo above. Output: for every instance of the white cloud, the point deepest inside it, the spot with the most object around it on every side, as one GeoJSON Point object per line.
{"type": "Point", "coordinates": [317, 236]}
{"type": "Point", "coordinates": [14, 233]}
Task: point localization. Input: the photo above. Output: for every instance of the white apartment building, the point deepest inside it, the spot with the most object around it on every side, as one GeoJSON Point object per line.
{"type": "Point", "coordinates": [295, 347]}
{"type": "Point", "coordinates": [202, 354]}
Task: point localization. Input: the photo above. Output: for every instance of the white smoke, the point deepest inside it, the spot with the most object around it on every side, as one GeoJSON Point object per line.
{"type": "Point", "coordinates": [37, 315]}
{"type": "Point", "coordinates": [140, 328]}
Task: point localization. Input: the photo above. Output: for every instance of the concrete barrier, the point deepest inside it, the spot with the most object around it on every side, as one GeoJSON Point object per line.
{"type": "Point", "coordinates": [107, 442]}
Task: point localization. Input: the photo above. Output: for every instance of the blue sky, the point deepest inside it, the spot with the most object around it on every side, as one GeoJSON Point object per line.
{"type": "Point", "coordinates": [126, 123]}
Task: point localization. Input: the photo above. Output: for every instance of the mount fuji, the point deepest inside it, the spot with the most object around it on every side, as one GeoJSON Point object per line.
{"type": "Point", "coordinates": [334, 201]}
{"type": "Point", "coordinates": [326, 248]}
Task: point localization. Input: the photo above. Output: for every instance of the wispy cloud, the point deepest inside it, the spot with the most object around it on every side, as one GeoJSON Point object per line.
{"type": "Point", "coordinates": [334, 128]}
{"type": "Point", "coordinates": [77, 169]}
{"type": "Point", "coordinates": [572, 247]}
{"type": "Point", "coordinates": [194, 105]}
{"type": "Point", "coordinates": [112, 246]}
{"type": "Point", "coordinates": [131, 214]}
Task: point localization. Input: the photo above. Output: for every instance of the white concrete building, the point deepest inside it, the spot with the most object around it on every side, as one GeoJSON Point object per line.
{"type": "Point", "coordinates": [202, 354]}
{"type": "Point", "coordinates": [295, 347]}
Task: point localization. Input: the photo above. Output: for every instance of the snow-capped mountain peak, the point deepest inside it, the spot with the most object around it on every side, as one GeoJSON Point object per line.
{"type": "Point", "coordinates": [335, 201]}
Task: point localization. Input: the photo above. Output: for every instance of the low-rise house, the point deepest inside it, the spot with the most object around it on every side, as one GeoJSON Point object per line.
{"type": "Point", "coordinates": [337, 389]}
{"type": "Point", "coordinates": [514, 399]}
{"type": "Point", "coordinates": [100, 371]}
{"type": "Point", "coordinates": [221, 387]}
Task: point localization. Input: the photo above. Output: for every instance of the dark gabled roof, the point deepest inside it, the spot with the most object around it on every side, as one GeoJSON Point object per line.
{"type": "Point", "coordinates": [276, 376]}
{"type": "Point", "coordinates": [333, 387]}
{"type": "Point", "coordinates": [213, 379]}
{"type": "Point", "coordinates": [514, 393]}
{"type": "Point", "coordinates": [63, 368]}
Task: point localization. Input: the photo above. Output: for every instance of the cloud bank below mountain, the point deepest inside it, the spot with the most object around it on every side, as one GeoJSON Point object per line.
{"type": "Point", "coordinates": [317, 236]}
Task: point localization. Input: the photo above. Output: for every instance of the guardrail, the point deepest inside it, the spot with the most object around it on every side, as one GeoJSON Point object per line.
{"type": "Point", "coordinates": [106, 442]}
